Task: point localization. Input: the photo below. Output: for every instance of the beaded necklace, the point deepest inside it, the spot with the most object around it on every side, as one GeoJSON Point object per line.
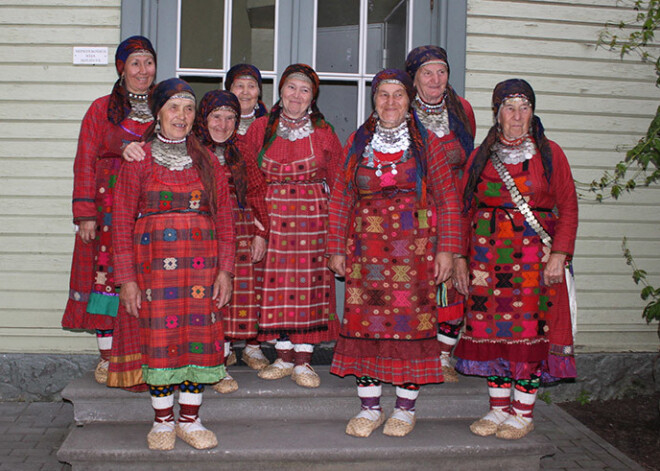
{"type": "Point", "coordinates": [246, 121]}
{"type": "Point", "coordinates": [171, 153]}
{"type": "Point", "coordinates": [388, 141]}
{"type": "Point", "coordinates": [435, 118]}
{"type": "Point", "coordinates": [514, 151]}
{"type": "Point", "coordinates": [293, 129]}
{"type": "Point", "coordinates": [140, 111]}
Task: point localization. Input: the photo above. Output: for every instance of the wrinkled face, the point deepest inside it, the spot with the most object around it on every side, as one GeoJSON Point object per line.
{"type": "Point", "coordinates": [431, 82]}
{"type": "Point", "coordinates": [515, 116]}
{"type": "Point", "coordinates": [391, 103]}
{"type": "Point", "coordinates": [176, 118]}
{"type": "Point", "coordinates": [221, 124]}
{"type": "Point", "coordinates": [247, 92]}
{"type": "Point", "coordinates": [139, 73]}
{"type": "Point", "coordinates": [296, 96]}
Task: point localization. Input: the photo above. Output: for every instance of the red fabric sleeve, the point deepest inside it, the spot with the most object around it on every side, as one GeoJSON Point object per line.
{"type": "Point", "coordinates": [470, 114]}
{"type": "Point", "coordinates": [441, 184]}
{"type": "Point", "coordinates": [332, 153]}
{"type": "Point", "coordinates": [224, 223]}
{"type": "Point", "coordinates": [562, 188]}
{"type": "Point", "coordinates": [90, 140]}
{"type": "Point", "coordinates": [340, 209]}
{"type": "Point", "coordinates": [256, 189]}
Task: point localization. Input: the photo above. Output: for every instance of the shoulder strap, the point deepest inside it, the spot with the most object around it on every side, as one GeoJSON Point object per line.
{"type": "Point", "coordinates": [520, 201]}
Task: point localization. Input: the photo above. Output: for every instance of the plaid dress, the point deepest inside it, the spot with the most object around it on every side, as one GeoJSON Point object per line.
{"type": "Point", "coordinates": [93, 301]}
{"type": "Point", "coordinates": [174, 251]}
{"type": "Point", "coordinates": [298, 290]}
{"type": "Point", "coordinates": [517, 326]}
{"type": "Point", "coordinates": [390, 241]}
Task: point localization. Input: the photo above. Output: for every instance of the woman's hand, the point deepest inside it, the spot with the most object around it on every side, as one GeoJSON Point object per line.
{"type": "Point", "coordinates": [131, 298]}
{"type": "Point", "coordinates": [258, 249]}
{"type": "Point", "coordinates": [461, 276]}
{"type": "Point", "coordinates": [87, 231]}
{"type": "Point", "coordinates": [222, 289]}
{"type": "Point", "coordinates": [443, 266]}
{"type": "Point", "coordinates": [554, 269]}
{"type": "Point", "coordinates": [134, 152]}
{"type": "Point", "coordinates": [337, 264]}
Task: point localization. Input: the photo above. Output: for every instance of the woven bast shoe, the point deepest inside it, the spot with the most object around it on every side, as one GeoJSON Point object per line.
{"type": "Point", "coordinates": [449, 374]}
{"type": "Point", "coordinates": [161, 436]}
{"type": "Point", "coordinates": [488, 424]}
{"type": "Point", "coordinates": [307, 378]}
{"type": "Point", "coordinates": [254, 358]}
{"type": "Point", "coordinates": [196, 435]}
{"type": "Point", "coordinates": [231, 359]}
{"type": "Point", "coordinates": [101, 371]}
{"type": "Point", "coordinates": [226, 385]}
{"type": "Point", "coordinates": [398, 424]}
{"type": "Point", "coordinates": [362, 424]}
{"type": "Point", "coordinates": [277, 370]}
{"type": "Point", "coordinates": [514, 428]}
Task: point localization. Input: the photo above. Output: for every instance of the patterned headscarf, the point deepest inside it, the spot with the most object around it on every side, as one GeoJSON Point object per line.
{"type": "Point", "coordinates": [502, 91]}
{"type": "Point", "coordinates": [364, 134]}
{"type": "Point", "coordinates": [317, 118]}
{"type": "Point", "coordinates": [210, 102]}
{"type": "Point", "coordinates": [200, 156]}
{"type": "Point", "coordinates": [459, 123]}
{"type": "Point", "coordinates": [247, 70]}
{"type": "Point", "coordinates": [119, 106]}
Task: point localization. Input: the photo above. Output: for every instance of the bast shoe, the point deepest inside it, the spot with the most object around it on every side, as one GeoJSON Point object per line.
{"type": "Point", "coordinates": [226, 385]}
{"type": "Point", "coordinates": [254, 358]}
{"type": "Point", "coordinates": [196, 435]}
{"type": "Point", "coordinates": [101, 371]}
{"type": "Point", "coordinates": [488, 424]}
{"type": "Point", "coordinates": [161, 436]}
{"type": "Point", "coordinates": [515, 427]}
{"type": "Point", "coordinates": [364, 423]}
{"type": "Point", "coordinates": [277, 370]}
{"type": "Point", "coordinates": [305, 376]}
{"type": "Point", "coordinates": [400, 423]}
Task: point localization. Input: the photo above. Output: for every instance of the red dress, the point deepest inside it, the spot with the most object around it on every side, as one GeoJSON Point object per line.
{"type": "Point", "coordinates": [390, 240]}
{"type": "Point", "coordinates": [174, 250]}
{"type": "Point", "coordinates": [516, 326]}
{"type": "Point", "coordinates": [93, 301]}
{"type": "Point", "coordinates": [298, 291]}
{"type": "Point", "coordinates": [242, 316]}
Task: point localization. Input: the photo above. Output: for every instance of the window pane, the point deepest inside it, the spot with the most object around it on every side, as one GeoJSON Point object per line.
{"type": "Point", "coordinates": [201, 85]}
{"type": "Point", "coordinates": [337, 101]}
{"type": "Point", "coordinates": [337, 36]}
{"type": "Point", "coordinates": [386, 36]}
{"type": "Point", "coordinates": [253, 33]}
{"type": "Point", "coordinates": [202, 33]}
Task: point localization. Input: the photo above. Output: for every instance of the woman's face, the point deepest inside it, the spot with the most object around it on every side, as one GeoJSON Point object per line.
{"type": "Point", "coordinates": [176, 118]}
{"type": "Point", "coordinates": [515, 116]}
{"type": "Point", "coordinates": [391, 102]}
{"type": "Point", "coordinates": [221, 124]}
{"type": "Point", "coordinates": [431, 82]}
{"type": "Point", "coordinates": [139, 73]}
{"type": "Point", "coordinates": [296, 96]}
{"type": "Point", "coordinates": [247, 92]}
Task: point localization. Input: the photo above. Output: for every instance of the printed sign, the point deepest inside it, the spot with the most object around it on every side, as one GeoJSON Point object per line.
{"type": "Point", "coordinates": [90, 56]}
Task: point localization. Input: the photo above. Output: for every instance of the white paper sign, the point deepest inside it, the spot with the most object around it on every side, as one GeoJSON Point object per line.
{"type": "Point", "coordinates": [90, 56]}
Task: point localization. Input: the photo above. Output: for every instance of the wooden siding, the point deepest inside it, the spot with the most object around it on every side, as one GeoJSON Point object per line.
{"type": "Point", "coordinates": [43, 98]}
{"type": "Point", "coordinates": [595, 106]}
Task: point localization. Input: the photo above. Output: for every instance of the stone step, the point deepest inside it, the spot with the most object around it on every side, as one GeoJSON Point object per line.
{"type": "Point", "coordinates": [302, 444]}
{"type": "Point", "coordinates": [279, 399]}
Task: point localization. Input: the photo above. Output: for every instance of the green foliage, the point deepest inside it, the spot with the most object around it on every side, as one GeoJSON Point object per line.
{"type": "Point", "coordinates": [583, 398]}
{"type": "Point", "coordinates": [545, 397]}
{"type": "Point", "coordinates": [643, 160]}
{"type": "Point", "coordinates": [651, 311]}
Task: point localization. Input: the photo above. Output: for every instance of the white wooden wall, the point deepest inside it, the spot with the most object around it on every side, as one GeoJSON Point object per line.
{"type": "Point", "coordinates": [43, 98]}
{"type": "Point", "coordinates": [595, 106]}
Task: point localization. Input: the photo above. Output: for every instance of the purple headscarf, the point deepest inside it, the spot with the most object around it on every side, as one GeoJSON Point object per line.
{"type": "Point", "coordinates": [242, 70]}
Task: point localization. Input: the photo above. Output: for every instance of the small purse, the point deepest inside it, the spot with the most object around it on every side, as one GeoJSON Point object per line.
{"type": "Point", "coordinates": [534, 223]}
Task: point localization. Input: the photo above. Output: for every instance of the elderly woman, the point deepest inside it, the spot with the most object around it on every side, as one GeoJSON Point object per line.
{"type": "Point", "coordinates": [394, 226]}
{"type": "Point", "coordinates": [450, 117]}
{"type": "Point", "coordinates": [299, 154]}
{"type": "Point", "coordinates": [244, 81]}
{"type": "Point", "coordinates": [216, 127]}
{"type": "Point", "coordinates": [174, 258]}
{"type": "Point", "coordinates": [521, 222]}
{"type": "Point", "coordinates": [110, 122]}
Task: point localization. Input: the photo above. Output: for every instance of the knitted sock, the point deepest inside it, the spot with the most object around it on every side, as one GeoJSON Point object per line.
{"type": "Point", "coordinates": [447, 337]}
{"type": "Point", "coordinates": [404, 408]}
{"type": "Point", "coordinates": [524, 398]}
{"type": "Point", "coordinates": [302, 353]}
{"type": "Point", "coordinates": [284, 349]}
{"type": "Point", "coordinates": [499, 393]}
{"type": "Point", "coordinates": [227, 350]}
{"type": "Point", "coordinates": [104, 342]}
{"type": "Point", "coordinates": [190, 400]}
{"type": "Point", "coordinates": [370, 402]}
{"type": "Point", "coordinates": [162, 401]}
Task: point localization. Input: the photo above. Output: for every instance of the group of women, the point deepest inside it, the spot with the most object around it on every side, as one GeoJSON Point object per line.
{"type": "Point", "coordinates": [203, 225]}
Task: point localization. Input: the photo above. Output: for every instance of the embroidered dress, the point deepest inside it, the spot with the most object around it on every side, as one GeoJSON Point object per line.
{"type": "Point", "coordinates": [174, 251]}
{"type": "Point", "coordinates": [298, 292]}
{"type": "Point", "coordinates": [93, 301]}
{"type": "Point", "coordinates": [436, 119]}
{"type": "Point", "coordinates": [516, 326]}
{"type": "Point", "coordinates": [390, 241]}
{"type": "Point", "coordinates": [242, 316]}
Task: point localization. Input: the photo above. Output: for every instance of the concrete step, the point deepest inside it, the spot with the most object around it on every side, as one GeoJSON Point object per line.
{"type": "Point", "coordinates": [302, 444]}
{"type": "Point", "coordinates": [272, 400]}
